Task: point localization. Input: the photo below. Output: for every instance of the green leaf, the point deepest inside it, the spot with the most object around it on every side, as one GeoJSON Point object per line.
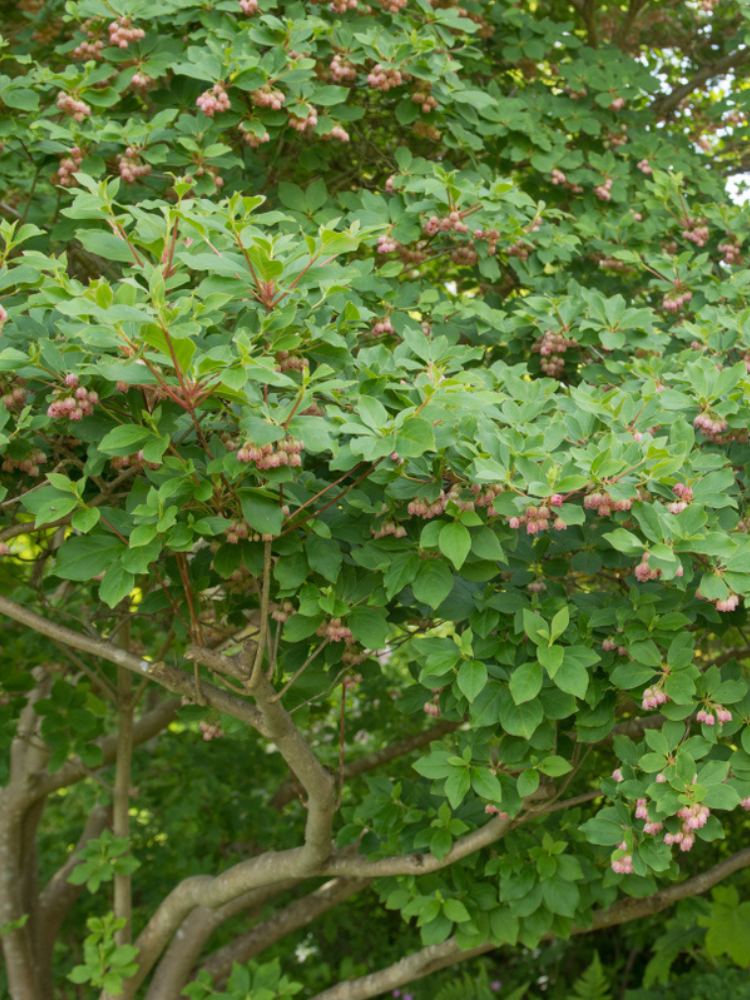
{"type": "Point", "coordinates": [555, 766]}
{"type": "Point", "coordinates": [472, 677]}
{"type": "Point", "coordinates": [124, 440]}
{"type": "Point", "coordinates": [456, 786]}
{"type": "Point", "coordinates": [455, 910]}
{"type": "Point", "coordinates": [369, 626]}
{"type": "Point", "coordinates": [116, 585]}
{"type": "Point", "coordinates": [85, 519]}
{"type": "Point", "coordinates": [261, 512]}
{"type": "Point", "coordinates": [324, 556]}
{"type": "Point", "coordinates": [521, 720]}
{"type": "Point", "coordinates": [526, 682]}
{"type": "Point", "coordinates": [433, 583]}
{"type": "Point", "coordinates": [454, 542]}
{"type": "Point", "coordinates": [486, 784]}
{"type": "Point", "coordinates": [83, 558]}
{"type": "Point", "coordinates": [551, 658]}
{"type": "Point", "coordinates": [572, 677]}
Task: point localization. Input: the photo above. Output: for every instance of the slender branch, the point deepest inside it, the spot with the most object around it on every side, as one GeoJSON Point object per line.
{"type": "Point", "coordinates": [266, 869]}
{"type": "Point", "coordinates": [435, 957]}
{"type": "Point", "coordinates": [173, 971]}
{"type": "Point", "coordinates": [664, 106]}
{"type": "Point", "coordinates": [297, 914]}
{"type": "Point", "coordinates": [149, 725]}
{"type": "Point", "coordinates": [416, 863]}
{"type": "Point", "coordinates": [123, 904]}
{"type": "Point", "coordinates": [169, 677]}
{"type": "Point", "coordinates": [59, 894]}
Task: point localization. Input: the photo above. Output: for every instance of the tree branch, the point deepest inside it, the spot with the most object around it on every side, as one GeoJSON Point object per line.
{"type": "Point", "coordinates": [123, 904]}
{"type": "Point", "coordinates": [416, 863]}
{"type": "Point", "coordinates": [149, 725]}
{"type": "Point", "coordinates": [435, 957]}
{"type": "Point", "coordinates": [664, 106]}
{"type": "Point", "coordinates": [169, 677]}
{"type": "Point", "coordinates": [369, 762]}
{"type": "Point", "coordinates": [266, 869]}
{"type": "Point", "coordinates": [58, 895]}
{"type": "Point", "coordinates": [173, 971]}
{"type": "Point", "coordinates": [298, 913]}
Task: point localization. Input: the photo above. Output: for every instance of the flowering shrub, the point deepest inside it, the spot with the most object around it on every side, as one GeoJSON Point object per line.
{"type": "Point", "coordinates": [376, 380]}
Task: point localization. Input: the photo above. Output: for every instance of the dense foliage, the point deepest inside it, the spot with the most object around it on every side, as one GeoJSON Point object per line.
{"type": "Point", "coordinates": [374, 485]}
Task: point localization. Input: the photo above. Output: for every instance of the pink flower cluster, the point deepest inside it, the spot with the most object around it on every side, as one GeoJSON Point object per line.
{"type": "Point", "coordinates": [68, 166]}
{"type": "Point", "coordinates": [426, 102]}
{"type": "Point", "coordinates": [381, 328]}
{"type": "Point", "coordinates": [491, 236]}
{"type": "Point", "coordinates": [338, 134]}
{"type": "Point", "coordinates": [88, 49]}
{"type": "Point", "coordinates": [342, 6]}
{"type": "Point", "coordinates": [643, 572]}
{"type": "Point", "coordinates": [645, 167]}
{"type": "Point", "coordinates": [610, 646]}
{"type": "Point", "coordinates": [342, 70]}
{"type": "Point", "coordinates": [387, 244]}
{"type": "Point", "coordinates": [725, 604]}
{"type": "Point", "coordinates": [653, 697]}
{"type": "Point", "coordinates": [617, 775]}
{"type": "Point", "coordinates": [78, 405]}
{"type": "Point", "coordinates": [30, 465]}
{"type": "Point", "coordinates": [617, 104]}
{"type": "Point", "coordinates": [70, 105]}
{"type": "Point", "coordinates": [536, 520]}
{"type": "Point", "coordinates": [306, 124]}
{"type": "Point", "coordinates": [426, 510]}
{"type": "Point", "coordinates": [622, 864]}
{"type": "Point", "coordinates": [334, 631]}
{"type": "Point", "coordinates": [134, 461]}
{"type": "Point", "coordinates": [559, 179]}
{"type": "Point", "coordinates": [685, 496]}
{"type": "Point", "coordinates": [550, 347]}
{"type": "Point", "coordinates": [267, 97]}
{"type": "Point", "coordinates": [3, 316]}
{"type": "Point", "coordinates": [695, 232]}
{"type": "Point", "coordinates": [213, 100]}
{"type": "Point", "coordinates": [283, 612]}
{"type": "Point", "coordinates": [432, 709]}
{"type": "Point", "coordinates": [131, 167]}
{"type": "Point", "coordinates": [693, 818]}
{"type": "Point", "coordinates": [603, 191]}
{"type": "Point", "coordinates": [393, 6]}
{"type": "Point", "coordinates": [604, 504]}
{"type": "Point", "coordinates": [712, 427]}
{"type": "Point", "coordinates": [383, 77]}
{"type": "Point", "coordinates": [731, 252]}
{"type": "Point", "coordinates": [249, 7]}
{"type": "Point", "coordinates": [389, 528]}
{"type": "Point", "coordinates": [140, 81]}
{"type": "Point", "coordinates": [717, 713]}
{"type": "Point", "coordinates": [237, 531]}
{"type": "Point", "coordinates": [210, 732]}
{"type": "Point", "coordinates": [272, 456]}
{"type": "Point", "coordinates": [122, 33]}
{"type": "Point", "coordinates": [674, 301]}
{"type": "Point", "coordinates": [641, 812]}
{"type": "Point", "coordinates": [452, 222]}
{"type": "Point", "coordinates": [253, 139]}
{"type": "Point", "coordinates": [14, 398]}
